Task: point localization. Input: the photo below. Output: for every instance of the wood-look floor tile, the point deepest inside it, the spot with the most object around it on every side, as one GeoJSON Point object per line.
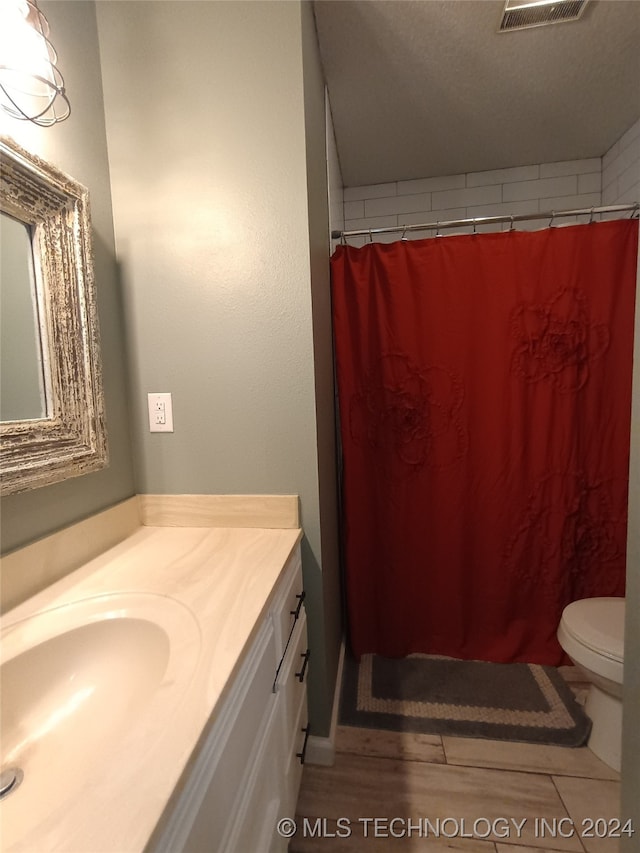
{"type": "Point", "coordinates": [408, 746]}
{"type": "Point", "coordinates": [571, 673]}
{"type": "Point", "coordinates": [516, 848]}
{"type": "Point", "coordinates": [586, 800]}
{"type": "Point", "coordinates": [528, 757]}
{"type": "Point", "coordinates": [329, 838]}
{"type": "Point", "coordinates": [576, 681]}
{"type": "Point", "coordinates": [580, 691]}
{"type": "Point", "coordinates": [358, 786]}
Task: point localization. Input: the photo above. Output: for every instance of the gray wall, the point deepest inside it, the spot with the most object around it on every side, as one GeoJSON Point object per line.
{"type": "Point", "coordinates": [318, 203]}
{"type": "Point", "coordinates": [206, 129]}
{"type": "Point", "coordinates": [631, 696]}
{"type": "Point", "coordinates": [78, 147]}
{"type": "Point", "coordinates": [620, 185]}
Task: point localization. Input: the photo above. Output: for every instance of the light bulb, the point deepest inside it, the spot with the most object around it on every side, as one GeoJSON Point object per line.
{"type": "Point", "coordinates": [29, 79]}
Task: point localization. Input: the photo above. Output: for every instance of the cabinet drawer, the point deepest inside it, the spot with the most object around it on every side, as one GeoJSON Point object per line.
{"type": "Point", "coordinates": [288, 606]}
{"type": "Point", "coordinates": [294, 766]}
{"type": "Point", "coordinates": [291, 682]}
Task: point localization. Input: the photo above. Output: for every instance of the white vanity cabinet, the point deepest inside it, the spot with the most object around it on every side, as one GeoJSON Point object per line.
{"type": "Point", "coordinates": [246, 774]}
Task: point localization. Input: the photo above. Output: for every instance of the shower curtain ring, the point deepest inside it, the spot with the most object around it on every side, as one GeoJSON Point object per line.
{"type": "Point", "coordinates": [370, 236]}
{"type": "Point", "coordinates": [553, 216]}
{"type": "Point", "coordinates": [438, 230]}
{"type": "Point", "coordinates": [511, 228]}
{"type": "Point", "coordinates": [474, 226]}
{"type": "Point", "coordinates": [591, 217]}
{"type": "Point", "coordinates": [404, 233]}
{"type": "Point", "coordinates": [635, 212]}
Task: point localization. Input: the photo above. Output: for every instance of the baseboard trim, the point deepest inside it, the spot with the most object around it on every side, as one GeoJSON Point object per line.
{"type": "Point", "coordinates": [322, 750]}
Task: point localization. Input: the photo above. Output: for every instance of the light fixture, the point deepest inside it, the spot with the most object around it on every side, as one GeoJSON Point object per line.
{"type": "Point", "coordinates": [31, 86]}
{"type": "Point", "coordinates": [522, 14]}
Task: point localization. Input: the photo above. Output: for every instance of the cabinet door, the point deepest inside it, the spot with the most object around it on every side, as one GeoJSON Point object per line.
{"type": "Point", "coordinates": [255, 823]}
{"type": "Point", "coordinates": [203, 816]}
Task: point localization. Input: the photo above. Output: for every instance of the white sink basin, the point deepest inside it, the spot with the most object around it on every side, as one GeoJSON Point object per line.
{"type": "Point", "coordinates": [75, 681]}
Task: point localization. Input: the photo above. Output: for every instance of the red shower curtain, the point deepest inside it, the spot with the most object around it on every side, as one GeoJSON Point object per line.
{"type": "Point", "coordinates": [485, 394]}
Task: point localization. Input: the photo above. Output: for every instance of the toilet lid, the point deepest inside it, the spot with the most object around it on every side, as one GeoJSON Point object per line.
{"type": "Point", "coordinates": [597, 623]}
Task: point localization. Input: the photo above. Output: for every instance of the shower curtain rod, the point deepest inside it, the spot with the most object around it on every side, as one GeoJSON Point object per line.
{"type": "Point", "coordinates": [488, 220]}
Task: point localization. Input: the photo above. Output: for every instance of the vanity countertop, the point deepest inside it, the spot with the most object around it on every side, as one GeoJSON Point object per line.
{"type": "Point", "coordinates": [225, 577]}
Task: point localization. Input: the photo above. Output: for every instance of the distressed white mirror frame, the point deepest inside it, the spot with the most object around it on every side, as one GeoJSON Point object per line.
{"type": "Point", "coordinates": [71, 440]}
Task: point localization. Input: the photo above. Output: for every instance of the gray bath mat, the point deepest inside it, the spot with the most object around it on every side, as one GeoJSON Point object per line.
{"type": "Point", "coordinates": [435, 695]}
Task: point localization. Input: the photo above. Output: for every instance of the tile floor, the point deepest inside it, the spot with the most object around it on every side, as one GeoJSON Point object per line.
{"type": "Point", "coordinates": [441, 794]}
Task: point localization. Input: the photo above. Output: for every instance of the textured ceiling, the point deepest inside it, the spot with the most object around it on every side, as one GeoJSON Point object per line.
{"type": "Point", "coordinates": [427, 88]}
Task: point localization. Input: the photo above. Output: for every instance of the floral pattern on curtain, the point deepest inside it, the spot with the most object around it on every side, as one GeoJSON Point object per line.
{"type": "Point", "coordinates": [484, 386]}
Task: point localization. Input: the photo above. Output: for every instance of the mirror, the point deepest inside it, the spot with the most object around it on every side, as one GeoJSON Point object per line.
{"type": "Point", "coordinates": [22, 394]}
{"type": "Point", "coordinates": [51, 399]}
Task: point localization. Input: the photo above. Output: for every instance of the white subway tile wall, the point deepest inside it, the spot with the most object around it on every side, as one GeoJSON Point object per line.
{"type": "Point", "coordinates": [621, 169]}
{"type": "Point", "coordinates": [590, 183]}
{"type": "Point", "coordinates": [397, 204]}
{"type": "Point", "coordinates": [354, 209]}
{"type": "Point", "coordinates": [500, 192]}
{"type": "Point", "coordinates": [428, 185]}
{"type": "Point", "coordinates": [570, 167]}
{"type": "Point", "coordinates": [371, 191]}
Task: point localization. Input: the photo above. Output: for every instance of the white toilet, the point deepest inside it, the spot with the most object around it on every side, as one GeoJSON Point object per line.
{"type": "Point", "coordinates": [591, 632]}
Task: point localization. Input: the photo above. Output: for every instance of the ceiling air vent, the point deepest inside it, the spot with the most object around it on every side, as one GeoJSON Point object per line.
{"type": "Point", "coordinates": [520, 14]}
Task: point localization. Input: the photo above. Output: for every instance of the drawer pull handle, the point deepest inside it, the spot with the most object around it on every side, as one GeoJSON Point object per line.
{"type": "Point", "coordinates": [306, 655]}
{"type": "Point", "coordinates": [296, 613]}
{"type": "Point", "coordinates": [301, 755]}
